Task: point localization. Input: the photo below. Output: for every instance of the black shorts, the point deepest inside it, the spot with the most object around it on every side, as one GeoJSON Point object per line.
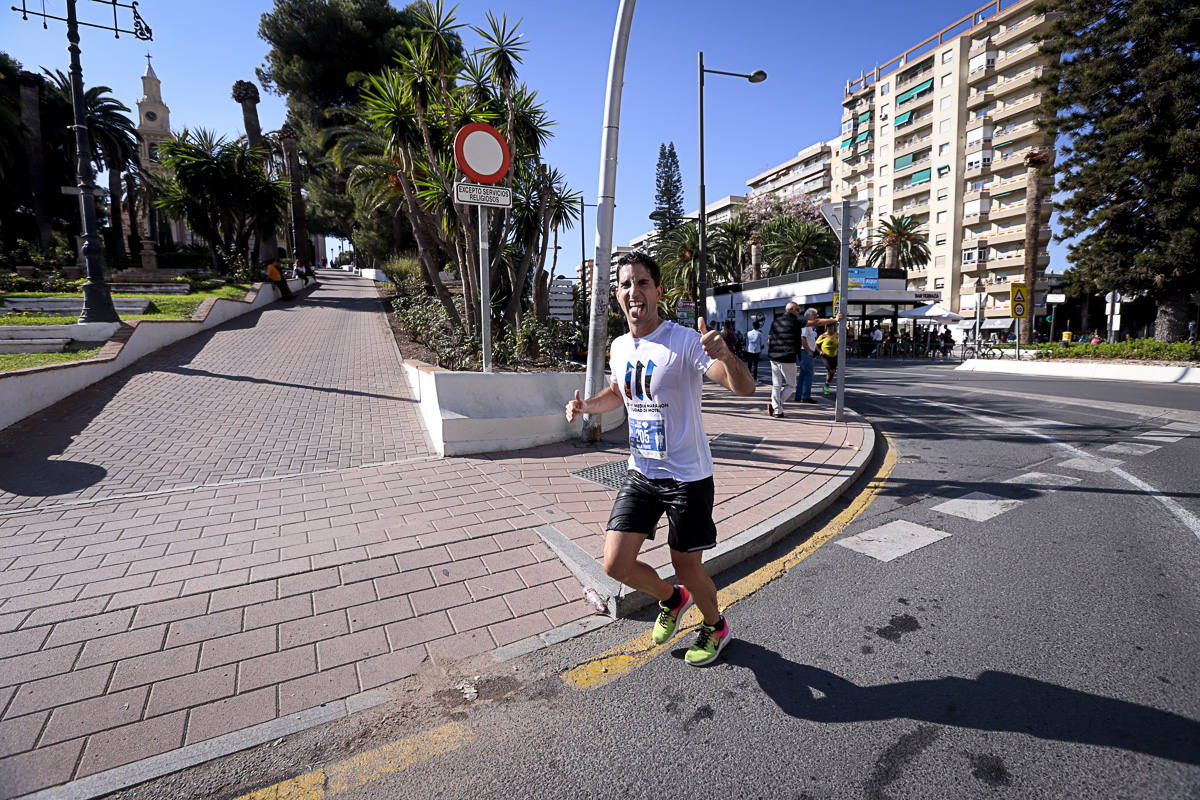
{"type": "Point", "coordinates": [830, 362]}
{"type": "Point", "coordinates": [641, 502]}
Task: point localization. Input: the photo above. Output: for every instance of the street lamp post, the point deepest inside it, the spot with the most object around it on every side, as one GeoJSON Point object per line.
{"type": "Point", "coordinates": [758, 76]}
{"type": "Point", "coordinates": [97, 297]}
{"type": "Point", "coordinates": [979, 290]}
{"type": "Point", "coordinates": [583, 277]}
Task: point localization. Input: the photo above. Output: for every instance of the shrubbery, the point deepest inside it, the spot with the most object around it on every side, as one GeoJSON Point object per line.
{"type": "Point", "coordinates": [53, 282]}
{"type": "Point", "coordinates": [1131, 349]}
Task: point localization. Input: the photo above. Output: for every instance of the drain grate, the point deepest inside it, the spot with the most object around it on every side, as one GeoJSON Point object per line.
{"type": "Point", "coordinates": [610, 475]}
{"type": "Point", "coordinates": [733, 444]}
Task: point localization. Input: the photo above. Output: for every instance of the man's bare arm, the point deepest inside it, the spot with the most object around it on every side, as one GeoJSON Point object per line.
{"type": "Point", "coordinates": [602, 402]}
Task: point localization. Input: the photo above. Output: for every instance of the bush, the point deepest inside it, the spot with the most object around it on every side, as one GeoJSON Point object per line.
{"type": "Point", "coordinates": [547, 342]}
{"type": "Point", "coordinates": [1131, 349]}
{"type": "Point", "coordinates": [12, 282]}
{"type": "Point", "coordinates": [402, 268]}
{"type": "Point", "coordinates": [425, 320]}
{"type": "Point", "coordinates": [26, 253]}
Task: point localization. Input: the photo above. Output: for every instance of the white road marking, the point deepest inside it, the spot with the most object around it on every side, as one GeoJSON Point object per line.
{"type": "Point", "coordinates": [1189, 520]}
{"type": "Point", "coordinates": [1189, 427]}
{"type": "Point", "coordinates": [1130, 449]}
{"type": "Point", "coordinates": [977, 506]}
{"type": "Point", "coordinates": [1162, 437]}
{"type": "Point", "coordinates": [1045, 480]}
{"type": "Point", "coordinates": [1088, 463]}
{"type": "Point", "coordinates": [892, 540]}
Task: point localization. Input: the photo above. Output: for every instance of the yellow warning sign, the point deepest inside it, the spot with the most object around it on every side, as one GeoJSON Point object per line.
{"type": "Point", "coordinates": [837, 303]}
{"type": "Point", "coordinates": [1018, 301]}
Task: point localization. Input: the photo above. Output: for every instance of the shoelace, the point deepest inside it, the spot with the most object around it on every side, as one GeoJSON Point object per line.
{"type": "Point", "coordinates": [665, 617]}
{"type": "Point", "coordinates": [706, 633]}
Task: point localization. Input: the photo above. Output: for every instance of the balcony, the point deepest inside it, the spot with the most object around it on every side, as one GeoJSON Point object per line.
{"type": "Point", "coordinates": [915, 209]}
{"type": "Point", "coordinates": [1028, 103]}
{"type": "Point", "coordinates": [1018, 81]}
{"type": "Point", "coordinates": [978, 122]}
{"type": "Point", "coordinates": [915, 166]}
{"type": "Point", "coordinates": [1009, 236]}
{"type": "Point", "coordinates": [979, 97]}
{"type": "Point", "coordinates": [913, 79]}
{"type": "Point", "coordinates": [912, 145]}
{"type": "Point", "coordinates": [911, 191]}
{"type": "Point", "coordinates": [985, 73]}
{"type": "Point", "coordinates": [1019, 132]}
{"type": "Point", "coordinates": [861, 166]}
{"type": "Point", "coordinates": [976, 218]}
{"type": "Point", "coordinates": [977, 171]}
{"type": "Point", "coordinates": [981, 46]}
{"type": "Point", "coordinates": [1016, 258]}
{"type": "Point", "coordinates": [1012, 32]}
{"type": "Point", "coordinates": [976, 194]}
{"type": "Point", "coordinates": [1020, 55]}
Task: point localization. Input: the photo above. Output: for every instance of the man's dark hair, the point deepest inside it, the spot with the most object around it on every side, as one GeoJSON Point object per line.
{"type": "Point", "coordinates": [643, 258]}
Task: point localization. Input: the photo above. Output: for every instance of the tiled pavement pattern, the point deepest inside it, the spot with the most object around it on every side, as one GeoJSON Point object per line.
{"type": "Point", "coordinates": [252, 525]}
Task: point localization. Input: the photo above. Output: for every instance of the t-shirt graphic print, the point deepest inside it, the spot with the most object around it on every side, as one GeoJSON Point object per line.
{"type": "Point", "coordinates": [659, 377]}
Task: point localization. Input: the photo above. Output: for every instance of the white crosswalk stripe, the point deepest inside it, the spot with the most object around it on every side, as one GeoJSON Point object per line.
{"type": "Point", "coordinates": [1045, 480]}
{"type": "Point", "coordinates": [892, 540]}
{"type": "Point", "coordinates": [1130, 449]}
{"type": "Point", "coordinates": [1162, 436]}
{"type": "Point", "coordinates": [977, 506]}
{"type": "Point", "coordinates": [1090, 463]}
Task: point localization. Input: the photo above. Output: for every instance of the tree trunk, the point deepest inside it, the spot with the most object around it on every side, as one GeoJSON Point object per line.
{"type": "Point", "coordinates": [114, 213]}
{"type": "Point", "coordinates": [1171, 319]}
{"type": "Point", "coordinates": [131, 209]}
{"type": "Point", "coordinates": [1034, 161]}
{"type": "Point", "coordinates": [31, 121]}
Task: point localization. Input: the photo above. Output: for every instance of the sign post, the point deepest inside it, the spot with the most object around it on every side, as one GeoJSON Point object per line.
{"type": "Point", "coordinates": [1053, 301]}
{"type": "Point", "coordinates": [482, 154]}
{"type": "Point", "coordinates": [1018, 308]}
{"type": "Point", "coordinates": [842, 217]}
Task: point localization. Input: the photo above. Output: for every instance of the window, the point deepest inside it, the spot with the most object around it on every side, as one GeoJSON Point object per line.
{"type": "Point", "coordinates": [939, 261]}
{"type": "Point", "coordinates": [883, 170]}
{"type": "Point", "coordinates": [946, 102]}
{"type": "Point", "coordinates": [942, 148]}
{"type": "Point", "coordinates": [947, 56]}
{"type": "Point", "coordinates": [883, 190]}
{"type": "Point", "coordinates": [883, 150]}
{"type": "Point", "coordinates": [943, 194]}
{"type": "Point", "coordinates": [947, 79]}
{"type": "Point", "coordinates": [884, 89]}
{"type": "Point", "coordinates": [941, 239]}
{"type": "Point", "coordinates": [941, 216]}
{"type": "Point", "coordinates": [939, 283]}
{"type": "Point", "coordinates": [847, 126]}
{"type": "Point", "coordinates": [942, 170]}
{"type": "Point", "coordinates": [943, 127]}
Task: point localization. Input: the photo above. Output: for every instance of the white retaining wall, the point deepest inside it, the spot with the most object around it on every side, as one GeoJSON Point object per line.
{"type": "Point", "coordinates": [473, 412]}
{"type": "Point", "coordinates": [1145, 373]}
{"type": "Point", "coordinates": [27, 391]}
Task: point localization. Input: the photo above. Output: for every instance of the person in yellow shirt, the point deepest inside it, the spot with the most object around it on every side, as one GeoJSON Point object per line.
{"type": "Point", "coordinates": [275, 275]}
{"type": "Point", "coordinates": [828, 343]}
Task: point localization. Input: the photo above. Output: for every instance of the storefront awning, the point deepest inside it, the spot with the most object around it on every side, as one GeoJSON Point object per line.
{"type": "Point", "coordinates": [996, 324]}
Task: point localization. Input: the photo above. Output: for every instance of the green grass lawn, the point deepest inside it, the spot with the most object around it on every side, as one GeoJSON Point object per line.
{"type": "Point", "coordinates": [11, 361]}
{"type": "Point", "coordinates": [162, 306]}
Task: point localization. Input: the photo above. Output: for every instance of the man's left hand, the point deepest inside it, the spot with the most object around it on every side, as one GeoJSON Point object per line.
{"type": "Point", "coordinates": [714, 346]}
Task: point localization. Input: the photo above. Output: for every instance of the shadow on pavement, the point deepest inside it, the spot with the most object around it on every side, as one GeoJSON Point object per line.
{"type": "Point", "coordinates": [993, 701]}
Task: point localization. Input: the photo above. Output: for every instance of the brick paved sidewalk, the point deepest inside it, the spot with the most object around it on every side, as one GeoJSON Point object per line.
{"type": "Point", "coordinates": [249, 524]}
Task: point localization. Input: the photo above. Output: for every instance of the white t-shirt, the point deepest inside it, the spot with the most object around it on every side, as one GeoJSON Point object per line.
{"type": "Point", "coordinates": [659, 377]}
{"type": "Point", "coordinates": [754, 341]}
{"type": "Point", "coordinates": [810, 337]}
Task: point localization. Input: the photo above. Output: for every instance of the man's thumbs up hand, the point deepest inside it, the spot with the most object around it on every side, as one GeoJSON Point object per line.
{"type": "Point", "coordinates": [711, 341]}
{"type": "Point", "coordinates": [575, 407]}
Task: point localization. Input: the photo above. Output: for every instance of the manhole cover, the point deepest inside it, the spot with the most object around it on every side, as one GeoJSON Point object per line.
{"type": "Point", "coordinates": [610, 475]}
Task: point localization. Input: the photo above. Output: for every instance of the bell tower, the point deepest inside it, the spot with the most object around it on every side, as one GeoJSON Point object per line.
{"type": "Point", "coordinates": [154, 118]}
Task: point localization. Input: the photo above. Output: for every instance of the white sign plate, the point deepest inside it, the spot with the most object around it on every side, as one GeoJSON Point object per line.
{"type": "Point", "coordinates": [479, 195]}
{"type": "Point", "coordinates": [1055, 299]}
{"type": "Point", "coordinates": [934, 296]}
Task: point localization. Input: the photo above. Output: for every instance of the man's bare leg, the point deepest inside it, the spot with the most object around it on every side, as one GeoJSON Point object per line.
{"type": "Point", "coordinates": [621, 563]}
{"type": "Point", "coordinates": [691, 573]}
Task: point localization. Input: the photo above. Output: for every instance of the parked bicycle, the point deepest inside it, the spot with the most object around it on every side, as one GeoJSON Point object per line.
{"type": "Point", "coordinates": [980, 350]}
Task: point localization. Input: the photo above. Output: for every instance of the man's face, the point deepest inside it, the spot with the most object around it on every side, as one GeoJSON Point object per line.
{"type": "Point", "coordinates": [637, 295]}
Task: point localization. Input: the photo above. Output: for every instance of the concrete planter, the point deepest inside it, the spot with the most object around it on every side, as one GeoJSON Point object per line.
{"type": "Point", "coordinates": [473, 412]}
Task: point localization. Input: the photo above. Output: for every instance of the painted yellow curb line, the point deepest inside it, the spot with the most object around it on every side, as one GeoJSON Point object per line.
{"type": "Point", "coordinates": [367, 766]}
{"type": "Point", "coordinates": [625, 658]}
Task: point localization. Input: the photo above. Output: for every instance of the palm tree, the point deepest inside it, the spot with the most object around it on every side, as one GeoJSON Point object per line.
{"type": "Point", "coordinates": [678, 253]}
{"type": "Point", "coordinates": [1036, 160]}
{"type": "Point", "coordinates": [899, 242]}
{"type": "Point", "coordinates": [562, 211]}
{"type": "Point", "coordinates": [114, 143]}
{"type": "Point", "coordinates": [791, 244]}
{"type": "Point", "coordinates": [221, 189]}
{"type": "Point", "coordinates": [730, 246]}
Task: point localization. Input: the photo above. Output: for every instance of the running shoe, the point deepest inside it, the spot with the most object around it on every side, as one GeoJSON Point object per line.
{"type": "Point", "coordinates": [709, 644]}
{"type": "Point", "coordinates": [668, 618]}
{"type": "Point", "coordinates": [825, 390]}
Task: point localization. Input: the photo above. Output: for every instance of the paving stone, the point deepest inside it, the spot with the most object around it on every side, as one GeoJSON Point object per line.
{"type": "Point", "coordinates": [377, 671]}
{"type": "Point", "coordinates": [314, 690]}
{"type": "Point", "coordinates": [97, 714]}
{"type": "Point", "coordinates": [170, 610]}
{"type": "Point", "coordinates": [404, 582]}
{"type": "Point", "coordinates": [189, 690]}
{"type": "Point", "coordinates": [479, 614]}
{"type": "Point", "coordinates": [350, 648]}
{"type": "Point", "coordinates": [122, 645]}
{"type": "Point", "coordinates": [276, 667]}
{"type": "Point", "coordinates": [419, 630]}
{"type": "Point", "coordinates": [38, 769]}
{"type": "Point", "coordinates": [343, 596]}
{"type": "Point", "coordinates": [155, 667]}
{"type": "Point", "coordinates": [130, 743]}
{"type": "Point", "coordinates": [231, 714]}
{"type": "Point", "coordinates": [311, 629]}
{"type": "Point", "coordinates": [19, 734]}
{"type": "Point", "coordinates": [238, 647]}
{"type": "Point", "coordinates": [199, 629]}
{"type": "Point", "coordinates": [379, 612]}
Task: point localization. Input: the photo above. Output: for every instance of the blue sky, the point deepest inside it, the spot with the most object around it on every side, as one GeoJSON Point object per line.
{"type": "Point", "coordinates": [808, 50]}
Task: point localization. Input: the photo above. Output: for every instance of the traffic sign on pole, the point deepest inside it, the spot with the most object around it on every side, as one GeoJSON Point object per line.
{"type": "Point", "coordinates": [481, 153]}
{"type": "Point", "coordinates": [1018, 301]}
{"type": "Point", "coordinates": [482, 195]}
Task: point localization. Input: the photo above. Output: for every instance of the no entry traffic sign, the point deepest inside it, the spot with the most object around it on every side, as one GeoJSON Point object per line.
{"type": "Point", "coordinates": [481, 153]}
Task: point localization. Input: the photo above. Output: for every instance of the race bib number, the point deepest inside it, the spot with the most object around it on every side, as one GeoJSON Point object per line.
{"type": "Point", "coordinates": [648, 438]}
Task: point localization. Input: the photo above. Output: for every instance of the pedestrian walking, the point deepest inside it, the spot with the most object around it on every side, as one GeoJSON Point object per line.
{"type": "Point", "coordinates": [808, 351]}
{"type": "Point", "coordinates": [661, 365]}
{"type": "Point", "coordinates": [828, 342]}
{"type": "Point", "coordinates": [783, 349]}
{"type": "Point", "coordinates": [754, 347]}
{"type": "Point", "coordinates": [275, 276]}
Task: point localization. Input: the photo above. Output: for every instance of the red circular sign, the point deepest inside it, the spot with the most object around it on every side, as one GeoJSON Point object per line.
{"type": "Point", "coordinates": [481, 153]}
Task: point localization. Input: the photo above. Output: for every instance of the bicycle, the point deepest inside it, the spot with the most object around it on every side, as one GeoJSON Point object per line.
{"type": "Point", "coordinates": [985, 350]}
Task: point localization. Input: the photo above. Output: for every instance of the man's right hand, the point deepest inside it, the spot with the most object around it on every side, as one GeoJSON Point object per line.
{"type": "Point", "coordinates": [575, 407]}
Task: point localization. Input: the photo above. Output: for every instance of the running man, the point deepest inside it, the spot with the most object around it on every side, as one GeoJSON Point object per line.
{"type": "Point", "coordinates": [660, 365]}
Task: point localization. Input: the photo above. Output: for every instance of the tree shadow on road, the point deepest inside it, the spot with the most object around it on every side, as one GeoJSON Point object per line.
{"type": "Point", "coordinates": [992, 701]}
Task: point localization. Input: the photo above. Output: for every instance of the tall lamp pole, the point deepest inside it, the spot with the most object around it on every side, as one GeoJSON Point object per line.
{"type": "Point", "coordinates": [97, 297]}
{"type": "Point", "coordinates": [979, 290]}
{"type": "Point", "coordinates": [758, 76]}
{"type": "Point", "coordinates": [583, 278]}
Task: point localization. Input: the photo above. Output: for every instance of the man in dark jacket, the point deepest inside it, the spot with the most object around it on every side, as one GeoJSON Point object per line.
{"type": "Point", "coordinates": [783, 348]}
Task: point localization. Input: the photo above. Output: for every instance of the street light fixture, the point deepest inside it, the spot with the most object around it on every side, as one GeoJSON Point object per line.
{"type": "Point", "coordinates": [758, 76]}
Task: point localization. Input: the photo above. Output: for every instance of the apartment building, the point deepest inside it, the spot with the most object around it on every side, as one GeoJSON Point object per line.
{"type": "Point", "coordinates": [939, 134]}
{"type": "Point", "coordinates": [810, 173]}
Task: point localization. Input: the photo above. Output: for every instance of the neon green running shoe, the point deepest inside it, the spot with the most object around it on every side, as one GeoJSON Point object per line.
{"type": "Point", "coordinates": [668, 618]}
{"type": "Point", "coordinates": [710, 641]}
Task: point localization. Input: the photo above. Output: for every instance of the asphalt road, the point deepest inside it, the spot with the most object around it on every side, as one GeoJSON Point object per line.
{"type": "Point", "coordinates": [1032, 635]}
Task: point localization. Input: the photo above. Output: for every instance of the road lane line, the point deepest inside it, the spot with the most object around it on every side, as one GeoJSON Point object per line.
{"type": "Point", "coordinates": [1189, 520]}
{"type": "Point", "coordinates": [625, 658]}
{"type": "Point", "coordinates": [370, 765]}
